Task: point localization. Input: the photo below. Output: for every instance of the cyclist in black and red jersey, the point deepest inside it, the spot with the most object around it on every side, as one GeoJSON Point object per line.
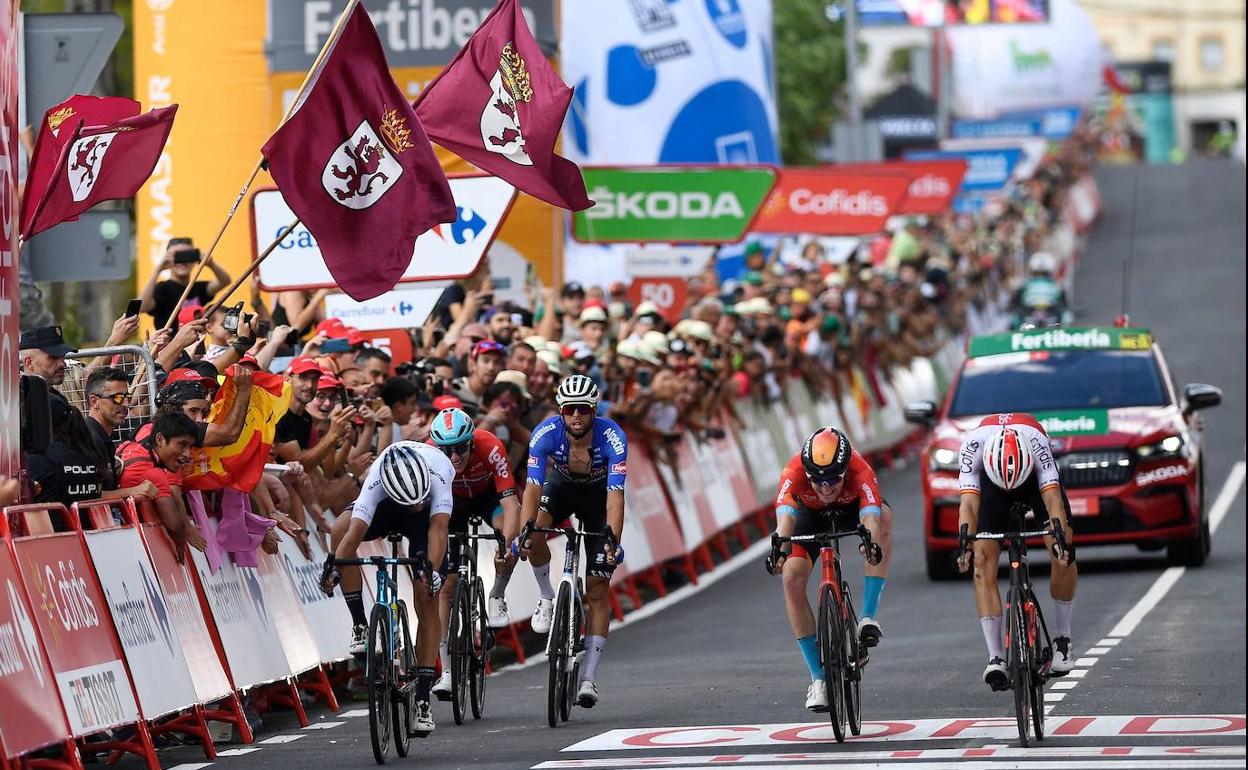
{"type": "Point", "coordinates": [828, 486]}
{"type": "Point", "coordinates": [996, 464]}
{"type": "Point", "coordinates": [483, 483]}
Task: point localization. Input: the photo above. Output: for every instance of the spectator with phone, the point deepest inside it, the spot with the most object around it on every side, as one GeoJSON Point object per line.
{"type": "Point", "coordinates": [160, 298]}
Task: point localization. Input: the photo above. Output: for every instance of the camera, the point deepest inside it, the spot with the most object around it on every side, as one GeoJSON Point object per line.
{"type": "Point", "coordinates": [186, 257]}
{"type": "Point", "coordinates": [262, 329]}
{"type": "Point", "coordinates": [230, 321]}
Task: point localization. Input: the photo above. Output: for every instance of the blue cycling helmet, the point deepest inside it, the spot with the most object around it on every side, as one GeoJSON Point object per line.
{"type": "Point", "coordinates": [451, 427]}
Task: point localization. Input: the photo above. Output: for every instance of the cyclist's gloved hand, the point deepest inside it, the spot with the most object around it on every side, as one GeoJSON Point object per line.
{"type": "Point", "coordinates": [964, 548]}
{"type": "Point", "coordinates": [329, 576]}
{"type": "Point", "coordinates": [774, 563]}
{"type": "Point", "coordinates": [515, 548]}
{"type": "Point", "coordinates": [617, 558]}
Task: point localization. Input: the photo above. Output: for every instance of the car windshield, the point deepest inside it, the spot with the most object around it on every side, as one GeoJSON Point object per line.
{"type": "Point", "coordinates": [1052, 380]}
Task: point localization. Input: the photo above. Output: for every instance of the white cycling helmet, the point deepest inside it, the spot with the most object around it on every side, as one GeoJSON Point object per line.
{"type": "Point", "coordinates": [1042, 262]}
{"type": "Point", "coordinates": [1007, 460]}
{"type": "Point", "coordinates": [577, 389]}
{"type": "Point", "coordinates": [404, 475]}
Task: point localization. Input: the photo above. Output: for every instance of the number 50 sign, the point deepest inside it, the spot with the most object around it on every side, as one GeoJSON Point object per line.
{"type": "Point", "coordinates": [668, 294]}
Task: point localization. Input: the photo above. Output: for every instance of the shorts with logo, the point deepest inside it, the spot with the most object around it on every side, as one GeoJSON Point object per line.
{"type": "Point", "coordinates": [403, 519]}
{"type": "Point", "coordinates": [563, 498]}
{"type": "Point", "coordinates": [995, 504]}
{"type": "Point", "coordinates": [482, 506]}
{"type": "Point", "coordinates": [837, 518]}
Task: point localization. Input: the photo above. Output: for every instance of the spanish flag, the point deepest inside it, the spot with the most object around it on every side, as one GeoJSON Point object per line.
{"type": "Point", "coordinates": [239, 465]}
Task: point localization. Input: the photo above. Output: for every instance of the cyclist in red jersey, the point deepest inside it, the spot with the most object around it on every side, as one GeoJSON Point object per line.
{"type": "Point", "coordinates": [828, 486]}
{"type": "Point", "coordinates": [483, 482]}
{"type": "Point", "coordinates": [1007, 459]}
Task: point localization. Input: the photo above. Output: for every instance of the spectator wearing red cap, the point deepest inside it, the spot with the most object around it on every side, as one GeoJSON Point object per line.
{"type": "Point", "coordinates": [484, 363]}
{"type": "Point", "coordinates": [297, 438]}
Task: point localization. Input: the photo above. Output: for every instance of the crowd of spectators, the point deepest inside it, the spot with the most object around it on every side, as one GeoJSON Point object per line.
{"type": "Point", "coordinates": [791, 312]}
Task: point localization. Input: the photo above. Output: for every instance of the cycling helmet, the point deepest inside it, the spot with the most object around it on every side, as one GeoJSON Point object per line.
{"type": "Point", "coordinates": [1042, 262]}
{"type": "Point", "coordinates": [826, 455]}
{"type": "Point", "coordinates": [577, 389]}
{"type": "Point", "coordinates": [404, 475]}
{"type": "Point", "coordinates": [1007, 460]}
{"type": "Point", "coordinates": [451, 427]}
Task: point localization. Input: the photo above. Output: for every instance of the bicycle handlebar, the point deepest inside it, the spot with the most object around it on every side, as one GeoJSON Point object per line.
{"type": "Point", "coordinates": [873, 552]}
{"type": "Point", "coordinates": [380, 562]}
{"type": "Point", "coordinates": [529, 528]}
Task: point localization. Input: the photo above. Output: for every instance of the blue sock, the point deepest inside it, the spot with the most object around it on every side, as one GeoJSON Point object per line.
{"type": "Point", "coordinates": [872, 587]}
{"type": "Point", "coordinates": [809, 646]}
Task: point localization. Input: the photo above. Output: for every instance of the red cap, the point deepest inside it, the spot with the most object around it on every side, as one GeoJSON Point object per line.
{"type": "Point", "coordinates": [594, 303]}
{"type": "Point", "coordinates": [332, 328]}
{"type": "Point", "coordinates": [488, 346]}
{"type": "Point", "coordinates": [249, 359]}
{"type": "Point", "coordinates": [189, 313]}
{"type": "Point", "coordinates": [447, 402]}
{"type": "Point", "coordinates": [190, 375]}
{"type": "Point", "coordinates": [327, 382]}
{"type": "Point", "coordinates": [303, 365]}
{"type": "Point", "coordinates": [355, 336]}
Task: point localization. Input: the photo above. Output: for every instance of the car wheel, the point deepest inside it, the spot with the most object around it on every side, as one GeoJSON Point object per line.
{"type": "Point", "coordinates": [1193, 551]}
{"type": "Point", "coordinates": [941, 566]}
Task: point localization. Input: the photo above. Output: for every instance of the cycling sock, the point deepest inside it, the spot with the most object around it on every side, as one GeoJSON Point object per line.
{"type": "Point", "coordinates": [991, 626]}
{"type": "Point", "coordinates": [424, 681]}
{"type": "Point", "coordinates": [872, 587]}
{"type": "Point", "coordinates": [444, 655]}
{"type": "Point", "coordinates": [501, 581]}
{"type": "Point", "coordinates": [809, 646]}
{"type": "Point", "coordinates": [542, 575]}
{"type": "Point", "coordinates": [593, 651]}
{"type": "Point", "coordinates": [355, 603]}
{"type": "Point", "coordinates": [1061, 624]}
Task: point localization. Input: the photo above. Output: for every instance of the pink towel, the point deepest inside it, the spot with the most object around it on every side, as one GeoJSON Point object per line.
{"type": "Point", "coordinates": [240, 531]}
{"type": "Point", "coordinates": [213, 552]}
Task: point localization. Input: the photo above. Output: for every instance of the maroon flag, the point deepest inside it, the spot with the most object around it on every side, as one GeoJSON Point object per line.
{"type": "Point", "coordinates": [500, 106]}
{"type": "Point", "coordinates": [354, 164]}
{"type": "Point", "coordinates": [101, 163]}
{"type": "Point", "coordinates": [90, 111]}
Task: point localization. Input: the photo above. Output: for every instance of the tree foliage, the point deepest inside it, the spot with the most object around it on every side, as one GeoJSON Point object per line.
{"type": "Point", "coordinates": [810, 73]}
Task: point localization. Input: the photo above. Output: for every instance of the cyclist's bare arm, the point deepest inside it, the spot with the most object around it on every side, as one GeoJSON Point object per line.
{"type": "Point", "coordinates": [437, 539]}
{"type": "Point", "coordinates": [352, 578]}
{"type": "Point", "coordinates": [511, 516]}
{"type": "Point", "coordinates": [968, 516]}
{"type": "Point", "coordinates": [1056, 507]}
{"type": "Point", "coordinates": [615, 512]}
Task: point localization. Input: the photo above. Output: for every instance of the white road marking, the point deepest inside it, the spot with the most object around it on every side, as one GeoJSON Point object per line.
{"type": "Point", "coordinates": [1108, 642]}
{"type": "Point", "coordinates": [323, 725]}
{"type": "Point", "coordinates": [353, 713]}
{"type": "Point", "coordinates": [995, 751]}
{"type": "Point", "coordinates": [1222, 505]}
{"type": "Point", "coordinates": [191, 766]}
{"type": "Point", "coordinates": [1086, 662]}
{"type": "Point", "coordinates": [281, 739]}
{"type": "Point", "coordinates": [238, 752]}
{"type": "Point", "coordinates": [1064, 684]}
{"type": "Point", "coordinates": [1054, 697]}
{"type": "Point", "coordinates": [1009, 764]}
{"type": "Point", "coordinates": [1096, 651]}
{"type": "Point", "coordinates": [1148, 601]}
{"type": "Point", "coordinates": [1077, 673]}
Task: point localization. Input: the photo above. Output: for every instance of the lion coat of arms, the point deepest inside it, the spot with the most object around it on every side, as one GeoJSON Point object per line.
{"type": "Point", "coordinates": [500, 119]}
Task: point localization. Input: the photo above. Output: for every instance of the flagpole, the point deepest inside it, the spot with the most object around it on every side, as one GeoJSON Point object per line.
{"type": "Point", "coordinates": [316, 64]}
{"type": "Point", "coordinates": [281, 236]}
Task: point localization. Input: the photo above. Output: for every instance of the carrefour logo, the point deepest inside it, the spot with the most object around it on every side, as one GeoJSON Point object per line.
{"type": "Point", "coordinates": [402, 308]}
{"type": "Point", "coordinates": [467, 226]}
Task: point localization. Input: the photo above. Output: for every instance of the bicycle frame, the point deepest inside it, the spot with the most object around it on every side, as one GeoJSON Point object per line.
{"type": "Point", "coordinates": [571, 564]}
{"type": "Point", "coordinates": [388, 582]}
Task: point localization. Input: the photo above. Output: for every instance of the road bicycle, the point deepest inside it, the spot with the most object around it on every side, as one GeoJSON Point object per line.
{"type": "Point", "coordinates": [390, 656]}
{"type": "Point", "coordinates": [565, 644]}
{"type": "Point", "coordinates": [837, 626]}
{"type": "Point", "coordinates": [1028, 647]}
{"type": "Point", "coordinates": [469, 638]}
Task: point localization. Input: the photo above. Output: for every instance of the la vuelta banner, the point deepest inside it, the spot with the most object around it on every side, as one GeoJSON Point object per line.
{"type": "Point", "coordinates": [831, 202]}
{"type": "Point", "coordinates": [932, 183]}
{"type": "Point", "coordinates": [32, 716]}
{"type": "Point", "coordinates": [73, 620]}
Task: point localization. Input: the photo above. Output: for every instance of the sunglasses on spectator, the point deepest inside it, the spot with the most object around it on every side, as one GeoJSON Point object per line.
{"type": "Point", "coordinates": [462, 448]}
{"type": "Point", "coordinates": [116, 398]}
{"type": "Point", "coordinates": [583, 410]}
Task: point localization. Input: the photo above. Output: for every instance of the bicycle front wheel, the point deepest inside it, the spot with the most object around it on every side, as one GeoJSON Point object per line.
{"type": "Point", "coordinates": [483, 646]}
{"type": "Point", "coordinates": [401, 705]}
{"type": "Point", "coordinates": [574, 643]}
{"type": "Point", "coordinates": [853, 672]}
{"type": "Point", "coordinates": [379, 672]}
{"type": "Point", "coordinates": [1018, 651]}
{"type": "Point", "coordinates": [830, 642]}
{"type": "Point", "coordinates": [557, 655]}
{"type": "Point", "coordinates": [459, 645]}
{"type": "Point", "coordinates": [1038, 677]}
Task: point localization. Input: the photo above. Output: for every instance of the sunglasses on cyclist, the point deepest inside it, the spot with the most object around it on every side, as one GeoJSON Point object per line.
{"type": "Point", "coordinates": [462, 448]}
{"type": "Point", "coordinates": [583, 410]}
{"type": "Point", "coordinates": [824, 481]}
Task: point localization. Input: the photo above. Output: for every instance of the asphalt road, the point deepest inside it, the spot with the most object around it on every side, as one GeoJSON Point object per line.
{"type": "Point", "coordinates": [725, 658]}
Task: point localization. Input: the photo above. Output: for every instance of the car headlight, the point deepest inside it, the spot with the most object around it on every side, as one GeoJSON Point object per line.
{"type": "Point", "coordinates": [942, 459]}
{"type": "Point", "coordinates": [1170, 446]}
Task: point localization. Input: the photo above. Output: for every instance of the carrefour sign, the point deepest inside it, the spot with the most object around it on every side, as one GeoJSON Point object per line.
{"type": "Point", "coordinates": [447, 251]}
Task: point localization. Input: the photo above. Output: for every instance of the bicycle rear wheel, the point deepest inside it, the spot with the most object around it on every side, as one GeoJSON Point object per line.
{"type": "Point", "coordinates": [572, 668]}
{"type": "Point", "coordinates": [459, 644]}
{"type": "Point", "coordinates": [401, 704]}
{"type": "Point", "coordinates": [557, 655]}
{"type": "Point", "coordinates": [853, 673]}
{"type": "Point", "coordinates": [482, 636]}
{"type": "Point", "coordinates": [1019, 653]}
{"type": "Point", "coordinates": [831, 640]}
{"type": "Point", "coordinates": [379, 673]}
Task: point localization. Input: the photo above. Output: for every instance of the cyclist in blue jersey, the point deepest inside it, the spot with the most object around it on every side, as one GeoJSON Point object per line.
{"type": "Point", "coordinates": [588, 457]}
